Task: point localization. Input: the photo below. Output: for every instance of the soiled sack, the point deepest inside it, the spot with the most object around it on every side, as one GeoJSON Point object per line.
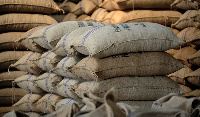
{"type": "Point", "coordinates": [67, 6]}
{"type": "Point", "coordinates": [193, 77]}
{"type": "Point", "coordinates": [84, 6]}
{"type": "Point", "coordinates": [48, 81]}
{"type": "Point", "coordinates": [10, 57]}
{"type": "Point", "coordinates": [190, 18]}
{"type": "Point", "coordinates": [195, 59]}
{"type": "Point", "coordinates": [49, 37]}
{"type": "Point", "coordinates": [26, 82]}
{"type": "Point", "coordinates": [8, 41]}
{"type": "Point", "coordinates": [64, 88]}
{"type": "Point", "coordinates": [47, 61]}
{"type": "Point", "coordinates": [23, 22]}
{"type": "Point", "coordinates": [179, 76]}
{"type": "Point", "coordinates": [8, 96]}
{"type": "Point", "coordinates": [47, 103]}
{"type": "Point", "coordinates": [134, 64]}
{"type": "Point", "coordinates": [121, 38]}
{"type": "Point", "coordinates": [27, 103]}
{"type": "Point", "coordinates": [131, 88]}
{"type": "Point", "coordinates": [186, 4]}
{"type": "Point", "coordinates": [160, 17]}
{"type": "Point", "coordinates": [6, 78]}
{"type": "Point", "coordinates": [34, 6]}
{"type": "Point", "coordinates": [25, 63]}
{"type": "Point", "coordinates": [99, 14]}
{"type": "Point", "coordinates": [63, 67]}
{"type": "Point", "coordinates": [66, 102]}
{"type": "Point", "coordinates": [70, 17]}
{"type": "Point", "coordinates": [114, 17]}
{"type": "Point", "coordinates": [190, 34]}
{"type": "Point", "coordinates": [28, 43]}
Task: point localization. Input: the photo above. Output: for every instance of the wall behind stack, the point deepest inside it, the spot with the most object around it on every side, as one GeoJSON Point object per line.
{"type": "Point", "coordinates": [17, 17]}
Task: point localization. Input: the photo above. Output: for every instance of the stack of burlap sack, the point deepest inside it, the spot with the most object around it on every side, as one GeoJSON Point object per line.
{"type": "Point", "coordinates": [17, 17]}
{"type": "Point", "coordinates": [73, 57]}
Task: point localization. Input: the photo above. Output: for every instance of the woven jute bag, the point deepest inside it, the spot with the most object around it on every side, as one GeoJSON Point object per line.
{"type": "Point", "coordinates": [195, 59]}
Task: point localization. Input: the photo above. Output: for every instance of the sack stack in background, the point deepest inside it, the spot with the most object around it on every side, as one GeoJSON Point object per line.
{"type": "Point", "coordinates": [17, 17]}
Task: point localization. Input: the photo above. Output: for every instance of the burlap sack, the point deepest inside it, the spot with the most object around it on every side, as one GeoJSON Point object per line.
{"type": "Point", "coordinates": [34, 6]}
{"type": "Point", "coordinates": [23, 22]}
{"type": "Point", "coordinates": [141, 104]}
{"type": "Point", "coordinates": [97, 2]}
{"type": "Point", "coordinates": [66, 102]}
{"type": "Point", "coordinates": [194, 77]}
{"type": "Point", "coordinates": [179, 76]}
{"type": "Point", "coordinates": [64, 65]}
{"type": "Point", "coordinates": [67, 6]}
{"type": "Point", "coordinates": [99, 14]}
{"type": "Point", "coordinates": [112, 5]}
{"type": "Point", "coordinates": [82, 17]}
{"type": "Point", "coordinates": [88, 18]}
{"type": "Point", "coordinates": [64, 46]}
{"type": "Point", "coordinates": [49, 37]}
{"type": "Point", "coordinates": [195, 59]}
{"type": "Point", "coordinates": [28, 43]}
{"type": "Point", "coordinates": [47, 61]}
{"type": "Point", "coordinates": [161, 17]}
{"type": "Point", "coordinates": [26, 82]}
{"type": "Point", "coordinates": [6, 78]}
{"type": "Point", "coordinates": [4, 110]}
{"type": "Point", "coordinates": [8, 41]}
{"type": "Point", "coordinates": [34, 114]}
{"type": "Point", "coordinates": [84, 6]}
{"type": "Point", "coordinates": [10, 57]}
{"type": "Point", "coordinates": [134, 64]}
{"type": "Point", "coordinates": [8, 96]}
{"type": "Point", "coordinates": [27, 103]}
{"type": "Point", "coordinates": [195, 93]}
{"type": "Point", "coordinates": [174, 30]}
{"type": "Point", "coordinates": [131, 88]}
{"type": "Point", "coordinates": [64, 88]}
{"type": "Point", "coordinates": [189, 19]}
{"type": "Point", "coordinates": [190, 34]}
{"type": "Point", "coordinates": [125, 38]}
{"type": "Point", "coordinates": [70, 17]}
{"type": "Point", "coordinates": [48, 81]}
{"type": "Point", "coordinates": [25, 63]}
{"type": "Point", "coordinates": [185, 88]}
{"type": "Point", "coordinates": [47, 103]}
{"type": "Point", "coordinates": [58, 17]}
{"type": "Point", "coordinates": [114, 17]}
{"type": "Point", "coordinates": [185, 4]}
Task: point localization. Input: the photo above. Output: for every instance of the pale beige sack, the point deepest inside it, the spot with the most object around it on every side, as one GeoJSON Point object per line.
{"type": "Point", "coordinates": [8, 41]}
{"type": "Point", "coordinates": [194, 77]}
{"type": "Point", "coordinates": [28, 43]}
{"type": "Point", "coordinates": [82, 17]}
{"type": "Point", "coordinates": [179, 76]}
{"type": "Point", "coordinates": [185, 88]}
{"type": "Point", "coordinates": [190, 35]}
{"type": "Point", "coordinates": [49, 37]}
{"type": "Point", "coordinates": [99, 14]}
{"type": "Point", "coordinates": [26, 82]}
{"type": "Point", "coordinates": [114, 17]}
{"type": "Point", "coordinates": [10, 57]}
{"type": "Point", "coordinates": [6, 78]}
{"type": "Point", "coordinates": [131, 88]}
{"type": "Point", "coordinates": [25, 63]}
{"type": "Point", "coordinates": [64, 66]}
{"type": "Point", "coordinates": [70, 17]}
{"type": "Point", "coordinates": [195, 59]}
{"type": "Point", "coordinates": [8, 96]}
{"type": "Point", "coordinates": [30, 6]}
{"type": "Point", "coordinates": [64, 88]}
{"type": "Point", "coordinates": [121, 38]}
{"type": "Point", "coordinates": [48, 81]}
{"type": "Point", "coordinates": [15, 22]}
{"type": "Point", "coordinates": [161, 17]}
{"type": "Point", "coordinates": [185, 4]}
{"type": "Point", "coordinates": [132, 64]}
{"type": "Point", "coordinates": [47, 103]}
{"type": "Point", "coordinates": [190, 18]}
{"type": "Point", "coordinates": [112, 5]}
{"type": "Point", "coordinates": [64, 103]}
{"type": "Point", "coordinates": [67, 6]}
{"type": "Point", "coordinates": [47, 61]}
{"type": "Point", "coordinates": [195, 93]}
{"type": "Point", "coordinates": [27, 103]}
{"type": "Point", "coordinates": [84, 6]}
{"type": "Point", "coordinates": [64, 45]}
